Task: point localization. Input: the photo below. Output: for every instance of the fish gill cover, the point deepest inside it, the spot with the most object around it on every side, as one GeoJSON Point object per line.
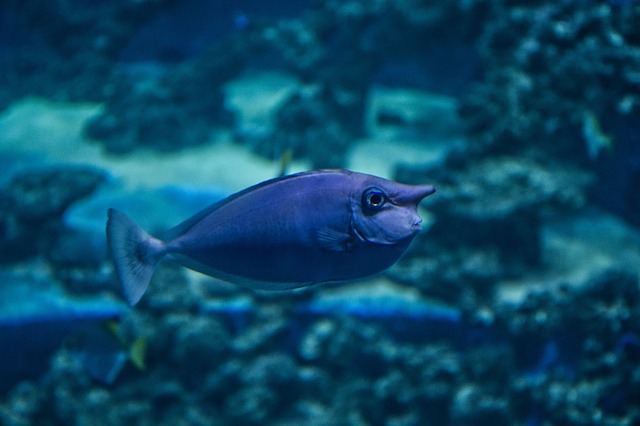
{"type": "Point", "coordinates": [518, 304]}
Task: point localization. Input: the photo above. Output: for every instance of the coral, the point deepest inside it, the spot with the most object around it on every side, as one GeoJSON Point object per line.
{"type": "Point", "coordinates": [33, 203]}
{"type": "Point", "coordinates": [548, 64]}
{"type": "Point", "coordinates": [335, 50]}
{"type": "Point", "coordinates": [343, 370]}
{"type": "Point", "coordinates": [536, 339]}
{"type": "Point", "coordinates": [605, 301]}
{"type": "Point", "coordinates": [591, 372]}
{"type": "Point", "coordinates": [542, 68]}
{"type": "Point", "coordinates": [176, 109]}
{"type": "Point", "coordinates": [471, 405]}
{"type": "Point", "coordinates": [310, 125]}
{"type": "Point", "coordinates": [67, 51]}
{"type": "Point", "coordinates": [487, 219]}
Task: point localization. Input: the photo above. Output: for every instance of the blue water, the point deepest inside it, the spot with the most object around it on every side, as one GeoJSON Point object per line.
{"type": "Point", "coordinates": [518, 303]}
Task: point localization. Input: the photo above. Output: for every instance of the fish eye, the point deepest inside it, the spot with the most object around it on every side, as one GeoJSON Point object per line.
{"type": "Point", "coordinates": [373, 199]}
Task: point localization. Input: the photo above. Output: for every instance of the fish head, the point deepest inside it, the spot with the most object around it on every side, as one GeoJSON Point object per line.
{"type": "Point", "coordinates": [386, 212]}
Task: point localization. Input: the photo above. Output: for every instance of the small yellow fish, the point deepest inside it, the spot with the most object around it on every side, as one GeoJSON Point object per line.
{"type": "Point", "coordinates": [136, 351]}
{"type": "Point", "coordinates": [595, 138]}
{"type": "Point", "coordinates": [285, 159]}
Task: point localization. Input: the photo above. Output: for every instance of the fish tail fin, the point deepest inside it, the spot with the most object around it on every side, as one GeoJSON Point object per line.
{"type": "Point", "coordinates": [135, 254]}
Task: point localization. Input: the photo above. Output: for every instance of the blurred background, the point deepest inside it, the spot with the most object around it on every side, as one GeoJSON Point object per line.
{"type": "Point", "coordinates": [518, 304]}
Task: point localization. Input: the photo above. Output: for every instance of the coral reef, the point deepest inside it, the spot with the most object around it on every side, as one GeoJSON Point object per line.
{"type": "Point", "coordinates": [561, 72]}
{"type": "Point", "coordinates": [487, 220]}
{"type": "Point", "coordinates": [324, 48]}
{"type": "Point", "coordinates": [273, 368]}
{"type": "Point", "coordinates": [66, 51]}
{"type": "Point", "coordinates": [537, 358]}
{"type": "Point", "coordinates": [585, 374]}
{"type": "Point", "coordinates": [542, 291]}
{"type": "Point", "coordinates": [174, 109]}
{"type": "Point", "coordinates": [33, 203]}
{"type": "Point", "coordinates": [546, 65]}
{"type": "Point", "coordinates": [542, 69]}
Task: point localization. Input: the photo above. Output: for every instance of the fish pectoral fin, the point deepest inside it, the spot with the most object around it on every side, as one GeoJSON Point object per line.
{"type": "Point", "coordinates": [333, 240]}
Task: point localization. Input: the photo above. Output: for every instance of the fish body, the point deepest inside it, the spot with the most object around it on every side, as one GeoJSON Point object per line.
{"type": "Point", "coordinates": [289, 232]}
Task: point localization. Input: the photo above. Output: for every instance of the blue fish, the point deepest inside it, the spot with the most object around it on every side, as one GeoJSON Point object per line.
{"type": "Point", "coordinates": [299, 230]}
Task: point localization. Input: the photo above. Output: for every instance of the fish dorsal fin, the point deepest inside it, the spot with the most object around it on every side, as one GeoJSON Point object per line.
{"type": "Point", "coordinates": [183, 227]}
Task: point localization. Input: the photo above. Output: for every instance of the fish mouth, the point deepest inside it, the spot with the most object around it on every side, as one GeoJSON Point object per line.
{"type": "Point", "coordinates": [416, 226]}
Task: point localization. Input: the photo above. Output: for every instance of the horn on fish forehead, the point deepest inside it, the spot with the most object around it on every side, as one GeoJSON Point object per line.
{"type": "Point", "coordinates": [415, 193]}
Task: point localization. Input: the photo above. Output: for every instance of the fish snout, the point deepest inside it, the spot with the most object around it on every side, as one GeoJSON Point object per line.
{"type": "Point", "coordinates": [413, 194]}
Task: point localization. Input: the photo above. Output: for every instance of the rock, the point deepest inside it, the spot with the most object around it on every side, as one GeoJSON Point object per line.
{"type": "Point", "coordinates": [537, 82]}
{"type": "Point", "coordinates": [44, 195]}
{"type": "Point", "coordinates": [606, 301]}
{"type": "Point", "coordinates": [67, 52]}
{"type": "Point", "coordinates": [312, 125]}
{"type": "Point", "coordinates": [472, 405]}
{"type": "Point", "coordinates": [252, 405]}
{"type": "Point", "coordinates": [498, 203]}
{"type": "Point", "coordinates": [156, 114]}
{"type": "Point", "coordinates": [33, 203]}
{"type": "Point", "coordinates": [200, 345]}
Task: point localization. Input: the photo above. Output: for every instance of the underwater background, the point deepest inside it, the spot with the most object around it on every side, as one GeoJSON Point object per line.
{"type": "Point", "coordinates": [519, 305]}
